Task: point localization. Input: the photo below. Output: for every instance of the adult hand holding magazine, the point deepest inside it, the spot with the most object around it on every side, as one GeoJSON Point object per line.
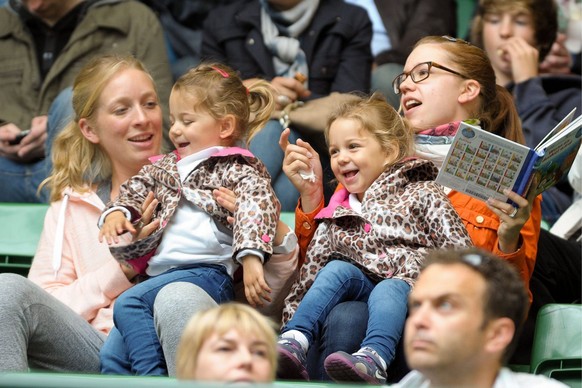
{"type": "Point", "coordinates": [482, 164]}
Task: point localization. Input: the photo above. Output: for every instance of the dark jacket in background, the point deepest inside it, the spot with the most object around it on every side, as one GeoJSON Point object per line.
{"type": "Point", "coordinates": [336, 44]}
{"type": "Point", "coordinates": [406, 21]}
{"type": "Point", "coordinates": [107, 26]}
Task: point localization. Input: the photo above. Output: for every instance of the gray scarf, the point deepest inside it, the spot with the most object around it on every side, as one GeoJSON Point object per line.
{"type": "Point", "coordinates": [280, 31]}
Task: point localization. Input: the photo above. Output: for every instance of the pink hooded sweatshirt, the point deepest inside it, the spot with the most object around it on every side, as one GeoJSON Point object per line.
{"type": "Point", "coordinates": [73, 266]}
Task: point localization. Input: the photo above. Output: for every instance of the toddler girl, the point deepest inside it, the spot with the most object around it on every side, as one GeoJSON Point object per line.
{"type": "Point", "coordinates": [370, 242]}
{"type": "Point", "coordinates": [190, 239]}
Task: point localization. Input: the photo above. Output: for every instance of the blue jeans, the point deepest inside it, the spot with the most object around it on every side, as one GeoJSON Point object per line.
{"type": "Point", "coordinates": [344, 329]}
{"type": "Point", "coordinates": [20, 181]}
{"type": "Point", "coordinates": [265, 146]}
{"type": "Point", "coordinates": [340, 281]}
{"type": "Point", "coordinates": [135, 338]}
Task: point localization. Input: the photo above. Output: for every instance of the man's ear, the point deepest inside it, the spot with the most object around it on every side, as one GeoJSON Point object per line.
{"type": "Point", "coordinates": [500, 332]}
{"type": "Point", "coordinates": [470, 91]}
{"type": "Point", "coordinates": [88, 131]}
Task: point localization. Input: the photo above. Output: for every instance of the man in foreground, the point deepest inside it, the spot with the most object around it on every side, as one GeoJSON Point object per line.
{"type": "Point", "coordinates": [465, 315]}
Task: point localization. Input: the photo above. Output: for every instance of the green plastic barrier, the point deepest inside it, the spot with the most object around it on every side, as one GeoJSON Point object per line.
{"type": "Point", "coordinates": [68, 380]}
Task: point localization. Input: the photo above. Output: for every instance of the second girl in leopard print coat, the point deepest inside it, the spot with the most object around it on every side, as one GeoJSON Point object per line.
{"type": "Point", "coordinates": [370, 242]}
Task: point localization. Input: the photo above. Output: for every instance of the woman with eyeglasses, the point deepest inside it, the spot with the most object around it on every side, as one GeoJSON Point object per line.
{"type": "Point", "coordinates": [445, 81]}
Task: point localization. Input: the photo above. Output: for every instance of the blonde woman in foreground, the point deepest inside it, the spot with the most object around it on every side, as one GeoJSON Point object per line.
{"type": "Point", "coordinates": [231, 342]}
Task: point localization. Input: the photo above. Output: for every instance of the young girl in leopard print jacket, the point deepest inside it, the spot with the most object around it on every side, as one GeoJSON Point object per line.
{"type": "Point", "coordinates": [370, 242]}
{"type": "Point", "coordinates": [191, 238]}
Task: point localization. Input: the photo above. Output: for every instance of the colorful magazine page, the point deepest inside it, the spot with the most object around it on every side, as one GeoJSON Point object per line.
{"type": "Point", "coordinates": [482, 164]}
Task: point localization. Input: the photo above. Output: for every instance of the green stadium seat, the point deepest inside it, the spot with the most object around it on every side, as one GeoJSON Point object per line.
{"type": "Point", "coordinates": [557, 346]}
{"type": "Point", "coordinates": [20, 228]}
{"type": "Point", "coordinates": [465, 11]}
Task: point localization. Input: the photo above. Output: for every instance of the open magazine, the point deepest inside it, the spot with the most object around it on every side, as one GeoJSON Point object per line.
{"type": "Point", "coordinates": [482, 164]}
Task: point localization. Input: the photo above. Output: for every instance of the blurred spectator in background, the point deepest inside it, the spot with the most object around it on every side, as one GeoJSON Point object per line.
{"type": "Point", "coordinates": [517, 35]}
{"type": "Point", "coordinates": [565, 54]}
{"type": "Point", "coordinates": [43, 44]}
{"type": "Point", "coordinates": [307, 49]}
{"type": "Point", "coordinates": [397, 25]}
{"type": "Point", "coordinates": [182, 23]}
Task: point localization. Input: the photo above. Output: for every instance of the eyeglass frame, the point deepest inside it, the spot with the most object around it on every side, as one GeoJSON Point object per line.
{"type": "Point", "coordinates": [430, 64]}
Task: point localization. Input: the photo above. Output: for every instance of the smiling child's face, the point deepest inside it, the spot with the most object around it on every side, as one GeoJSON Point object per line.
{"type": "Point", "coordinates": [357, 157]}
{"type": "Point", "coordinates": [192, 130]}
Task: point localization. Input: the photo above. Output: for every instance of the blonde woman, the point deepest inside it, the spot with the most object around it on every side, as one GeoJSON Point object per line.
{"type": "Point", "coordinates": [231, 343]}
{"type": "Point", "coordinates": [59, 317]}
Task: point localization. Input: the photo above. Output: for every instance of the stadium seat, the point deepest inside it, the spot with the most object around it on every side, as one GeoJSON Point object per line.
{"type": "Point", "coordinates": [20, 228]}
{"type": "Point", "coordinates": [557, 346]}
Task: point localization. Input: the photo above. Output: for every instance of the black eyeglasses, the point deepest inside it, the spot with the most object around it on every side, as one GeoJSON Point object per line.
{"type": "Point", "coordinates": [419, 73]}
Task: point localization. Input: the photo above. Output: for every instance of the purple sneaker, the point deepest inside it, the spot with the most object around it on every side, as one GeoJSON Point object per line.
{"type": "Point", "coordinates": [362, 366]}
{"type": "Point", "coordinates": [292, 360]}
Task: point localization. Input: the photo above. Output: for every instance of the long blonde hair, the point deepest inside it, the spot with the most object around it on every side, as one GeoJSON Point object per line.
{"type": "Point", "coordinates": [219, 91]}
{"type": "Point", "coordinates": [78, 163]}
{"type": "Point", "coordinates": [220, 320]}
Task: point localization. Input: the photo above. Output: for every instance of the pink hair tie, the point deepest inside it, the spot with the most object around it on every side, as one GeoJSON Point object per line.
{"type": "Point", "coordinates": [221, 72]}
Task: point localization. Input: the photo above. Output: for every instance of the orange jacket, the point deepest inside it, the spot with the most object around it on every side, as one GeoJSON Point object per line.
{"type": "Point", "coordinates": [481, 223]}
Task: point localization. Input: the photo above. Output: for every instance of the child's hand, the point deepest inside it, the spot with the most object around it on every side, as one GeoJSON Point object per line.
{"type": "Point", "coordinates": [115, 224]}
{"type": "Point", "coordinates": [256, 288]}
{"type": "Point", "coordinates": [301, 159]}
{"type": "Point", "coordinates": [523, 58]}
{"type": "Point", "coordinates": [146, 225]}
{"type": "Point", "coordinates": [227, 199]}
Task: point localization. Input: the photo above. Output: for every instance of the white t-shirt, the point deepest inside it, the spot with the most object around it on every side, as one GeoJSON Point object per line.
{"type": "Point", "coordinates": [505, 379]}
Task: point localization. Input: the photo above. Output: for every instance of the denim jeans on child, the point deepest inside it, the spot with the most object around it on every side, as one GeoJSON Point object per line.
{"type": "Point", "coordinates": [343, 330]}
{"type": "Point", "coordinates": [341, 281]}
{"type": "Point", "coordinates": [20, 181]}
{"type": "Point", "coordinates": [134, 320]}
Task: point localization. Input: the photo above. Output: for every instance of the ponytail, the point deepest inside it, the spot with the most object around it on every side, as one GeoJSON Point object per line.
{"type": "Point", "coordinates": [501, 116]}
{"type": "Point", "coordinates": [262, 104]}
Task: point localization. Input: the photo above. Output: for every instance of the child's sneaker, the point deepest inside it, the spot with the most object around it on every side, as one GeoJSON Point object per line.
{"type": "Point", "coordinates": [292, 360]}
{"type": "Point", "coordinates": [361, 366]}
